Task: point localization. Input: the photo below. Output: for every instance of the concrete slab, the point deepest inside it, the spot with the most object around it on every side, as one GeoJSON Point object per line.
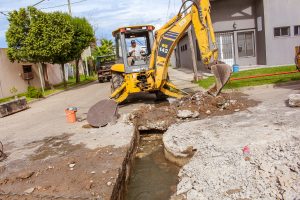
{"type": "Point", "coordinates": [220, 169]}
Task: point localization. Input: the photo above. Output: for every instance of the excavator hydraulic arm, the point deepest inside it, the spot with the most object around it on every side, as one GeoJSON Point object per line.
{"type": "Point", "coordinates": [167, 38]}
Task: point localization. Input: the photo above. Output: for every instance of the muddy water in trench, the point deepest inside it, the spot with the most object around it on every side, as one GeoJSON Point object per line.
{"type": "Point", "coordinates": [153, 177]}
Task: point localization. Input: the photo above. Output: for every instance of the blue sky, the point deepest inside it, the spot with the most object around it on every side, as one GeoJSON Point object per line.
{"type": "Point", "coordinates": [104, 15]}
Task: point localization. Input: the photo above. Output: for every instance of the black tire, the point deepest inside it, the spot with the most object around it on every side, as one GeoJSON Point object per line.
{"type": "Point", "coordinates": [116, 81]}
{"type": "Point", "coordinates": [160, 96]}
{"type": "Point", "coordinates": [100, 80]}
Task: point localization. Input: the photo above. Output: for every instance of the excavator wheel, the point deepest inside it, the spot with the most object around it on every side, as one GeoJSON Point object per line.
{"type": "Point", "coordinates": [160, 96]}
{"type": "Point", "coordinates": [116, 81]}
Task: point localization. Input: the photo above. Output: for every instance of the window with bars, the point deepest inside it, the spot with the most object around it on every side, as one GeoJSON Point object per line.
{"type": "Point", "coordinates": [282, 31]}
{"type": "Point", "coordinates": [246, 42]}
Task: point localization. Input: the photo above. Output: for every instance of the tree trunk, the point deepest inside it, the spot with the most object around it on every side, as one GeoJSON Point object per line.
{"type": "Point", "coordinates": [64, 75]}
{"type": "Point", "coordinates": [77, 71]}
{"type": "Point", "coordinates": [46, 77]}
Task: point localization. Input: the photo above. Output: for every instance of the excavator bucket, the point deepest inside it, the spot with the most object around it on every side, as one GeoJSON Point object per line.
{"type": "Point", "coordinates": [102, 113]}
{"type": "Point", "coordinates": [222, 74]}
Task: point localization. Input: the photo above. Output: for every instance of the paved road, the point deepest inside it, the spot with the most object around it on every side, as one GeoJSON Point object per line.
{"type": "Point", "coordinates": [47, 117]}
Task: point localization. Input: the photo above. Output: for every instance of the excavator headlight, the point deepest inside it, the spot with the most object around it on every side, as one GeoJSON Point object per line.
{"type": "Point", "coordinates": [122, 30]}
{"type": "Point", "coordinates": [150, 28]}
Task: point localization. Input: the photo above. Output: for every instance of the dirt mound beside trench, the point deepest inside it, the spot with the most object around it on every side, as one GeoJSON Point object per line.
{"type": "Point", "coordinates": [195, 106]}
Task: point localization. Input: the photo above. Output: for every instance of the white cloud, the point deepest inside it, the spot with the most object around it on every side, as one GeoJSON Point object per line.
{"type": "Point", "coordinates": [106, 15]}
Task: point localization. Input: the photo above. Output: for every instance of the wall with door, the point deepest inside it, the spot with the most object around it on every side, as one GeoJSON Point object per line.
{"type": "Point", "coordinates": [15, 75]}
{"type": "Point", "coordinates": [235, 22]}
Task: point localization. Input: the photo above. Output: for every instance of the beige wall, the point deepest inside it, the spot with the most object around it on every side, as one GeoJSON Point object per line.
{"type": "Point", "coordinates": [11, 75]}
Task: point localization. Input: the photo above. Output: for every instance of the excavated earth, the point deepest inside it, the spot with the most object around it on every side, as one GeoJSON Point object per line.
{"type": "Point", "coordinates": [192, 107]}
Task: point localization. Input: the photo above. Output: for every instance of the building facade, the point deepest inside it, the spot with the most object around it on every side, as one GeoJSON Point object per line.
{"type": "Point", "coordinates": [21, 75]}
{"type": "Point", "coordinates": [251, 32]}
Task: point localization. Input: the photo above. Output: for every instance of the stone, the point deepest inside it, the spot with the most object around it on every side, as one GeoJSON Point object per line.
{"type": "Point", "coordinates": [208, 112]}
{"type": "Point", "coordinates": [29, 191]}
{"type": "Point", "coordinates": [109, 183]}
{"type": "Point", "coordinates": [294, 100]}
{"type": "Point", "coordinates": [25, 175]}
{"type": "Point", "coordinates": [196, 114]}
{"type": "Point", "coordinates": [72, 165]}
{"type": "Point", "coordinates": [183, 114]}
{"type": "Point", "coordinates": [93, 172]}
{"type": "Point", "coordinates": [104, 171]}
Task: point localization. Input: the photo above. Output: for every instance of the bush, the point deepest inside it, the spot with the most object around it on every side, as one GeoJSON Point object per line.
{"type": "Point", "coordinates": [33, 92]}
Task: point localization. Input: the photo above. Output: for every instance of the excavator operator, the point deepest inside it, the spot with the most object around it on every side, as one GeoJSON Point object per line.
{"type": "Point", "coordinates": [134, 52]}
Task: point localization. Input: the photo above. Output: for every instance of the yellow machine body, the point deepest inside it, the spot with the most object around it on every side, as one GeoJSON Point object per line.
{"type": "Point", "coordinates": [154, 78]}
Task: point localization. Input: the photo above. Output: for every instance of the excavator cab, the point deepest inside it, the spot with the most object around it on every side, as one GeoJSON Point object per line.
{"type": "Point", "coordinates": [133, 48]}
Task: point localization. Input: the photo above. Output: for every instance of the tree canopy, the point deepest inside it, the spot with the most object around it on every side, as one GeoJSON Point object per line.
{"type": "Point", "coordinates": [39, 37]}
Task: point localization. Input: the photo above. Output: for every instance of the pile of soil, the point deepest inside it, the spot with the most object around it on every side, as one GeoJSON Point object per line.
{"type": "Point", "coordinates": [195, 106]}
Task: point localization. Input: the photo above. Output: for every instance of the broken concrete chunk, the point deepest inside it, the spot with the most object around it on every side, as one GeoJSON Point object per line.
{"type": "Point", "coordinates": [109, 183]}
{"type": "Point", "coordinates": [183, 114]}
{"type": "Point", "coordinates": [29, 191]}
{"type": "Point", "coordinates": [294, 100]}
{"type": "Point", "coordinates": [72, 165]}
{"type": "Point", "coordinates": [25, 175]}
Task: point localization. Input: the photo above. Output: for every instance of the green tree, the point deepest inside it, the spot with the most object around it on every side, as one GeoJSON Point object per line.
{"type": "Point", "coordinates": [38, 37]}
{"type": "Point", "coordinates": [59, 35]}
{"type": "Point", "coordinates": [83, 37]}
{"type": "Point", "coordinates": [19, 23]}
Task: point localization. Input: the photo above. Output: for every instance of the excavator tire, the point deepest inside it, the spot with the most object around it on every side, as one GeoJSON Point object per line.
{"type": "Point", "coordinates": [116, 81]}
{"type": "Point", "coordinates": [160, 96]}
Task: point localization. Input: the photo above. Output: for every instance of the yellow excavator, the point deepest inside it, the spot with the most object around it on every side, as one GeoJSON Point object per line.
{"type": "Point", "coordinates": [145, 68]}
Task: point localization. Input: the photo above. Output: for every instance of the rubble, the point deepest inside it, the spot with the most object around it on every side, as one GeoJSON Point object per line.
{"type": "Point", "coordinates": [294, 100]}
{"type": "Point", "coordinates": [29, 191]}
{"type": "Point", "coordinates": [197, 105]}
{"type": "Point", "coordinates": [239, 159]}
{"type": "Point", "coordinates": [25, 175]}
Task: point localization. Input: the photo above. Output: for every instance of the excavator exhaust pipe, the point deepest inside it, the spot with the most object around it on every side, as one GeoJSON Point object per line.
{"type": "Point", "coordinates": [222, 74]}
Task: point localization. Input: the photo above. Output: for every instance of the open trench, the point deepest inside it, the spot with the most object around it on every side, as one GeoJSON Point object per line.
{"type": "Point", "coordinates": [146, 173]}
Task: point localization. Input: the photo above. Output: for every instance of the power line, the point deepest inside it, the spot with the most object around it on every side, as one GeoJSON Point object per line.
{"type": "Point", "coordinates": [62, 5]}
{"type": "Point", "coordinates": [169, 4]}
{"type": "Point", "coordinates": [2, 12]}
{"type": "Point", "coordinates": [38, 3]}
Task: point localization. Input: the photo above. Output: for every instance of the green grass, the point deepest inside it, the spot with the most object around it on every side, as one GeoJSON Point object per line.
{"type": "Point", "coordinates": [57, 88]}
{"type": "Point", "coordinates": [206, 83]}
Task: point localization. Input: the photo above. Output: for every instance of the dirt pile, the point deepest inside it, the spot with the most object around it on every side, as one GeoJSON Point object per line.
{"type": "Point", "coordinates": [196, 106]}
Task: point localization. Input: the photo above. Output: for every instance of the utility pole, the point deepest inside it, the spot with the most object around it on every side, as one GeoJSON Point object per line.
{"type": "Point", "coordinates": [191, 41]}
{"type": "Point", "coordinates": [69, 7]}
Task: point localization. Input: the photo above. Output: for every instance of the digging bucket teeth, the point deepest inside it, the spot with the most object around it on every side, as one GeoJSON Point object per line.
{"type": "Point", "coordinates": [222, 74]}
